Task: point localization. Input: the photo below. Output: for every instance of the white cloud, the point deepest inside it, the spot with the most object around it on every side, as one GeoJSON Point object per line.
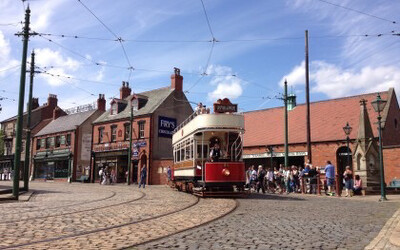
{"type": "Point", "coordinates": [296, 76]}
{"type": "Point", "coordinates": [227, 85]}
{"type": "Point", "coordinates": [335, 81]}
{"type": "Point", "coordinates": [5, 59]}
{"type": "Point", "coordinates": [47, 57]}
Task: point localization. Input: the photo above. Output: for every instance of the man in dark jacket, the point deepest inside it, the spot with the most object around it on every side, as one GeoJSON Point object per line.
{"type": "Point", "coordinates": [312, 174]}
{"type": "Point", "coordinates": [260, 179]}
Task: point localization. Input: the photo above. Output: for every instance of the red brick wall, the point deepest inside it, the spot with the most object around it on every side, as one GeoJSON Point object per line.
{"type": "Point", "coordinates": [321, 152]}
{"type": "Point", "coordinates": [391, 161]}
{"type": "Point", "coordinates": [158, 171]}
{"type": "Point", "coordinates": [391, 132]}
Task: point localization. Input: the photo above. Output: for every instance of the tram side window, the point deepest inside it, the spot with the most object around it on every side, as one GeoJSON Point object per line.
{"type": "Point", "coordinates": [205, 151]}
{"type": "Point", "coordinates": [182, 158]}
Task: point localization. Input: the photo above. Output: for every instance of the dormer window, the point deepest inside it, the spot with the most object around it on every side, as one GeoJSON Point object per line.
{"type": "Point", "coordinates": [114, 108]}
{"type": "Point", "coordinates": [135, 104]}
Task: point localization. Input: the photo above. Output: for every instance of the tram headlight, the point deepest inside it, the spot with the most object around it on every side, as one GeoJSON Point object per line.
{"type": "Point", "coordinates": [226, 172]}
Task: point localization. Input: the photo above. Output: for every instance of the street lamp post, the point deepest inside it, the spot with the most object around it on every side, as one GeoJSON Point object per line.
{"type": "Point", "coordinates": [379, 105]}
{"type": "Point", "coordinates": [271, 151]}
{"type": "Point", "coordinates": [347, 130]}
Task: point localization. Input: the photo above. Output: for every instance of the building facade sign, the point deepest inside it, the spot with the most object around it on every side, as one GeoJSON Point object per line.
{"type": "Point", "coordinates": [268, 155]}
{"type": "Point", "coordinates": [166, 126]}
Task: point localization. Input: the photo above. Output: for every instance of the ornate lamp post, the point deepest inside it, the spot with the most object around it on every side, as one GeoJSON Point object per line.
{"type": "Point", "coordinates": [347, 130]}
{"type": "Point", "coordinates": [379, 105]}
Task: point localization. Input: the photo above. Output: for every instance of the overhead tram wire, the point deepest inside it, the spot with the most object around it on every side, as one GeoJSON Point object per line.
{"type": "Point", "coordinates": [260, 39]}
{"type": "Point", "coordinates": [358, 11]}
{"type": "Point", "coordinates": [119, 39]}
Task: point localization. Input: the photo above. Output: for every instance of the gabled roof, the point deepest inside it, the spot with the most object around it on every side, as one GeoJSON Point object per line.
{"type": "Point", "coordinates": [66, 123]}
{"type": "Point", "coordinates": [154, 99]}
{"type": "Point", "coordinates": [266, 127]}
{"type": "Point", "coordinates": [40, 126]}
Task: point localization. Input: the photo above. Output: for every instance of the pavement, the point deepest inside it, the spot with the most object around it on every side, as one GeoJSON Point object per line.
{"type": "Point", "coordinates": [91, 216]}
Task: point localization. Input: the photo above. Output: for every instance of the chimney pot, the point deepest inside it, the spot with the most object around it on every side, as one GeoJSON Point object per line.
{"type": "Point", "coordinates": [101, 103]}
{"type": "Point", "coordinates": [177, 80]}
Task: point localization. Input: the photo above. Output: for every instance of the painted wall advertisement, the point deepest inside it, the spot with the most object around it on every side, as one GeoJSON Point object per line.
{"type": "Point", "coordinates": [86, 144]}
{"type": "Point", "coordinates": [166, 126]}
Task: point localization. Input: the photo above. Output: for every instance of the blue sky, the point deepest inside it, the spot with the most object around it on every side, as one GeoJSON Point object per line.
{"type": "Point", "coordinates": [259, 43]}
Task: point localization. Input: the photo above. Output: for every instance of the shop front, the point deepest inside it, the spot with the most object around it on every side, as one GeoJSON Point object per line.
{"type": "Point", "coordinates": [52, 165]}
{"type": "Point", "coordinates": [109, 161]}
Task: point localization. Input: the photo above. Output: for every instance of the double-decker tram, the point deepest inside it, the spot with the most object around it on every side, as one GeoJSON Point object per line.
{"type": "Point", "coordinates": [208, 151]}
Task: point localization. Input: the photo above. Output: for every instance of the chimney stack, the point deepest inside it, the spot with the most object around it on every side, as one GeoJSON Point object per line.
{"type": "Point", "coordinates": [35, 104]}
{"type": "Point", "coordinates": [52, 100]}
{"type": "Point", "coordinates": [56, 113]}
{"type": "Point", "coordinates": [124, 91]}
{"type": "Point", "coordinates": [101, 103]}
{"type": "Point", "coordinates": [177, 80]}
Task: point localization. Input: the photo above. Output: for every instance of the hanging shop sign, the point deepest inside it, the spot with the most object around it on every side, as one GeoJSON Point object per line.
{"type": "Point", "coordinates": [166, 126]}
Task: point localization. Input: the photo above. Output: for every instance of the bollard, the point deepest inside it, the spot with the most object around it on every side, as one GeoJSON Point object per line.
{"type": "Point", "coordinates": [337, 185]}
{"type": "Point", "coordinates": [318, 185]}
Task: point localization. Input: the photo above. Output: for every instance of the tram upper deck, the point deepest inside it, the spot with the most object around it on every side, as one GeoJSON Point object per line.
{"type": "Point", "coordinates": [208, 122]}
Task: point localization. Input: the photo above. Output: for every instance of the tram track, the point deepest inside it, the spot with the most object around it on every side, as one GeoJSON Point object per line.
{"type": "Point", "coordinates": [186, 229]}
{"type": "Point", "coordinates": [95, 231]}
{"type": "Point", "coordinates": [80, 211]}
{"type": "Point", "coordinates": [35, 194]}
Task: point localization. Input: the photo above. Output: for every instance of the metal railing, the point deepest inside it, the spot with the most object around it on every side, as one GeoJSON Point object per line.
{"type": "Point", "coordinates": [186, 121]}
{"type": "Point", "coordinates": [236, 149]}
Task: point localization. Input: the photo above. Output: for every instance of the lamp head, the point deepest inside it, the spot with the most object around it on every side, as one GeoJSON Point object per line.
{"type": "Point", "coordinates": [347, 129]}
{"type": "Point", "coordinates": [379, 104]}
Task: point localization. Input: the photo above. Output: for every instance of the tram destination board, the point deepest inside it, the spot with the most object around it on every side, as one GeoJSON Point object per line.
{"type": "Point", "coordinates": [223, 108]}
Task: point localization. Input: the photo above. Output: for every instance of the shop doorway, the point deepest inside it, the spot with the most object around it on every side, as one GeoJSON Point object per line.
{"type": "Point", "coordinates": [343, 159]}
{"type": "Point", "coordinates": [135, 171]}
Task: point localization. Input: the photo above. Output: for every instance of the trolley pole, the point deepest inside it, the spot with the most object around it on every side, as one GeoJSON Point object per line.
{"type": "Point", "coordinates": [18, 139]}
{"type": "Point", "coordinates": [286, 127]}
{"type": "Point", "coordinates": [28, 125]}
{"type": "Point", "coordinates": [128, 178]}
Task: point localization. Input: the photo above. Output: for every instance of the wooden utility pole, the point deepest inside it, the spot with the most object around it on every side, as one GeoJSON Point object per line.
{"type": "Point", "coordinates": [28, 124]}
{"type": "Point", "coordinates": [309, 154]}
{"type": "Point", "coordinates": [18, 139]}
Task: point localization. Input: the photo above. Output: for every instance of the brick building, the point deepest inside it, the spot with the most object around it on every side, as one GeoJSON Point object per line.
{"type": "Point", "coordinates": [40, 117]}
{"type": "Point", "coordinates": [265, 131]}
{"type": "Point", "coordinates": [62, 149]}
{"type": "Point", "coordinates": [155, 115]}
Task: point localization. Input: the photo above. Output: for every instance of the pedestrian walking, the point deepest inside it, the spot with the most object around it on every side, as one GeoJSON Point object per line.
{"type": "Point", "coordinates": [253, 179]}
{"type": "Point", "coordinates": [270, 181]}
{"type": "Point", "coordinates": [113, 176]}
{"type": "Point", "coordinates": [330, 176]}
{"type": "Point", "coordinates": [312, 174]}
{"type": "Point", "coordinates": [143, 174]}
{"type": "Point", "coordinates": [260, 179]}
{"type": "Point", "coordinates": [101, 176]}
{"type": "Point", "coordinates": [348, 181]}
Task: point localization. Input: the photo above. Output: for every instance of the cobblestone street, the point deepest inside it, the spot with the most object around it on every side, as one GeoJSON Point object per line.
{"type": "Point", "coordinates": [90, 216]}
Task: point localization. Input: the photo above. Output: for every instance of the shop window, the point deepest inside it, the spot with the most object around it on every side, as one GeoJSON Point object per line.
{"type": "Point", "coordinates": [62, 140]}
{"type": "Point", "coordinates": [113, 133]}
{"type": "Point", "coordinates": [68, 139]}
{"type": "Point", "coordinates": [58, 141]}
{"type": "Point", "coordinates": [38, 144]}
{"type": "Point", "coordinates": [141, 129]}
{"type": "Point", "coordinates": [101, 135]}
{"type": "Point", "coordinates": [48, 142]}
{"type": "Point", "coordinates": [126, 128]}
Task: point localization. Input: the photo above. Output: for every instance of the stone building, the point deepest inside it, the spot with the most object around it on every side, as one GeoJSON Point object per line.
{"type": "Point", "coordinates": [155, 115]}
{"type": "Point", "coordinates": [62, 149]}
{"type": "Point", "coordinates": [264, 137]}
{"type": "Point", "coordinates": [40, 117]}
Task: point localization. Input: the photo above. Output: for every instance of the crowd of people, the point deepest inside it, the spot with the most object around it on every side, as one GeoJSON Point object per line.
{"type": "Point", "coordinates": [292, 179]}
